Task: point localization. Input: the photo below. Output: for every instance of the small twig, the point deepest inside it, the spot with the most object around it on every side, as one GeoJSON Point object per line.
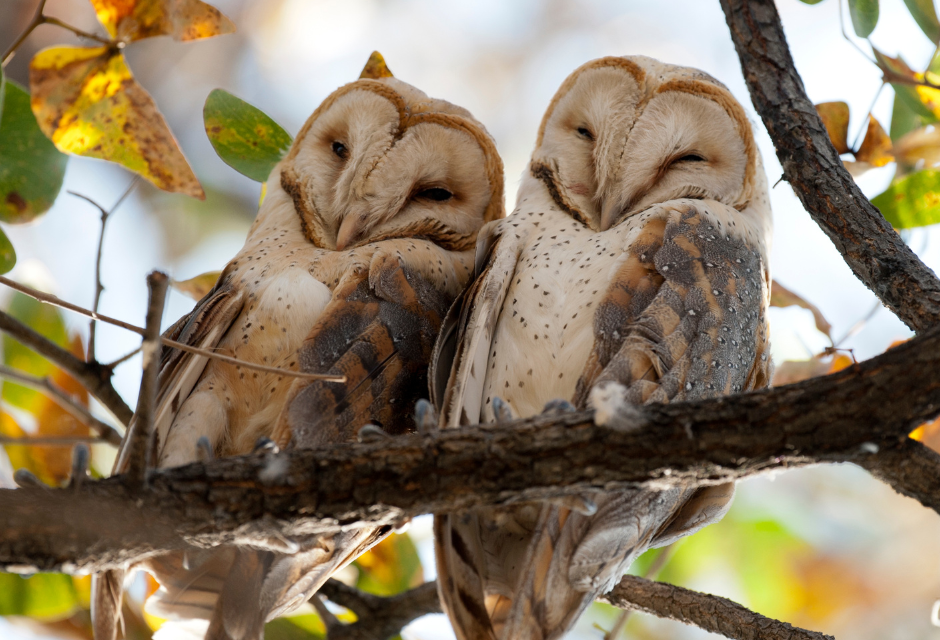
{"type": "Point", "coordinates": [64, 400]}
{"type": "Point", "coordinates": [48, 298]}
{"type": "Point", "coordinates": [378, 618]}
{"type": "Point", "coordinates": [91, 375]}
{"type": "Point", "coordinates": [650, 574]}
{"type": "Point", "coordinates": [911, 468]}
{"type": "Point", "coordinates": [114, 364]}
{"type": "Point", "coordinates": [36, 20]}
{"type": "Point", "coordinates": [330, 621]}
{"type": "Point", "coordinates": [140, 436]}
{"type": "Point", "coordinates": [50, 440]}
{"type": "Point", "coordinates": [76, 30]}
{"type": "Point", "coordinates": [864, 128]}
{"type": "Point", "coordinates": [708, 612]}
{"type": "Point", "coordinates": [99, 287]}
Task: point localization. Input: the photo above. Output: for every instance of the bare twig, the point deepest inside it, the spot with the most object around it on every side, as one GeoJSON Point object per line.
{"type": "Point", "coordinates": [50, 440]}
{"type": "Point", "coordinates": [64, 400]}
{"type": "Point", "coordinates": [93, 376]}
{"type": "Point", "coordinates": [910, 468]}
{"type": "Point", "coordinates": [650, 574]}
{"type": "Point", "coordinates": [708, 612]}
{"type": "Point", "coordinates": [36, 20]}
{"type": "Point", "coordinates": [379, 618]}
{"type": "Point", "coordinates": [871, 248]}
{"type": "Point", "coordinates": [140, 435]}
{"type": "Point", "coordinates": [48, 298]}
{"type": "Point", "coordinates": [99, 287]}
{"type": "Point", "coordinates": [77, 31]}
{"type": "Point", "coordinates": [127, 356]}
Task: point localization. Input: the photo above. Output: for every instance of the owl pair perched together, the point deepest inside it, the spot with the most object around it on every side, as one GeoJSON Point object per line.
{"type": "Point", "coordinates": [633, 270]}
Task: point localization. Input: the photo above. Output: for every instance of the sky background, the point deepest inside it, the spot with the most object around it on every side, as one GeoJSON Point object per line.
{"type": "Point", "coordinates": [503, 60]}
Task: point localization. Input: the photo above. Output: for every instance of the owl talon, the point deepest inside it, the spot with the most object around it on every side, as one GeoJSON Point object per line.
{"type": "Point", "coordinates": [502, 410]}
{"type": "Point", "coordinates": [611, 408]}
{"type": "Point", "coordinates": [203, 450]}
{"type": "Point", "coordinates": [263, 444]}
{"type": "Point", "coordinates": [25, 478]}
{"type": "Point", "coordinates": [80, 459]}
{"type": "Point", "coordinates": [425, 417]}
{"type": "Point", "coordinates": [559, 405]}
{"type": "Point", "coordinates": [372, 433]}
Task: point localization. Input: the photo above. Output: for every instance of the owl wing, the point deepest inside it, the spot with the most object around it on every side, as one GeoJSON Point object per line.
{"type": "Point", "coordinates": [203, 327]}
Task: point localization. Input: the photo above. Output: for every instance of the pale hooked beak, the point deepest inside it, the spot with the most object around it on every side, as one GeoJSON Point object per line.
{"type": "Point", "coordinates": [350, 231]}
{"type": "Point", "coordinates": [611, 213]}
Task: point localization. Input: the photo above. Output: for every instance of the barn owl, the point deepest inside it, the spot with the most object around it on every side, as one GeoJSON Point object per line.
{"type": "Point", "coordinates": [363, 240]}
{"type": "Point", "coordinates": [634, 270]}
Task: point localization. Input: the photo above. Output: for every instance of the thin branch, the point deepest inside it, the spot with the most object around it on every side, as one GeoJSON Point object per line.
{"type": "Point", "coordinates": [36, 20]}
{"type": "Point", "coordinates": [379, 618]}
{"type": "Point", "coordinates": [651, 573]}
{"type": "Point", "coordinates": [842, 417]}
{"type": "Point", "coordinates": [871, 248]}
{"type": "Point", "coordinates": [127, 356]}
{"type": "Point", "coordinates": [708, 612]}
{"type": "Point", "coordinates": [64, 400]}
{"type": "Point", "coordinates": [48, 298]}
{"type": "Point", "coordinates": [910, 468]}
{"type": "Point", "coordinates": [99, 287]}
{"type": "Point", "coordinates": [140, 435]}
{"type": "Point", "coordinates": [77, 31]}
{"type": "Point", "coordinates": [30, 441]}
{"type": "Point", "coordinates": [93, 376]}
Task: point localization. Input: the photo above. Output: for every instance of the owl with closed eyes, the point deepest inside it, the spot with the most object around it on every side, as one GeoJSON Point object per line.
{"type": "Point", "coordinates": [363, 240]}
{"type": "Point", "coordinates": [634, 270]}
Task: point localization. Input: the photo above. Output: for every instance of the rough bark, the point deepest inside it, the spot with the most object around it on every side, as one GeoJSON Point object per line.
{"type": "Point", "coordinates": [708, 612]}
{"type": "Point", "coordinates": [871, 248]}
{"type": "Point", "coordinates": [379, 618]}
{"type": "Point", "coordinates": [858, 414]}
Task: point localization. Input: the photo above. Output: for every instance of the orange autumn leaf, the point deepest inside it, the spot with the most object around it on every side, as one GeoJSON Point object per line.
{"type": "Point", "coordinates": [835, 117]}
{"type": "Point", "coordinates": [129, 20]}
{"type": "Point", "coordinates": [197, 287]}
{"type": "Point", "coordinates": [876, 147]}
{"type": "Point", "coordinates": [88, 103]}
{"type": "Point", "coordinates": [782, 297]}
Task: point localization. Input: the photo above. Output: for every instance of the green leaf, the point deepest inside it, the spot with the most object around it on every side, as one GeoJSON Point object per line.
{"type": "Point", "coordinates": [244, 136]}
{"type": "Point", "coordinates": [304, 627]}
{"type": "Point", "coordinates": [925, 15]}
{"type": "Point", "coordinates": [903, 118]}
{"type": "Point", "coordinates": [912, 201]}
{"type": "Point", "coordinates": [31, 168]}
{"type": "Point", "coordinates": [864, 16]}
{"type": "Point", "coordinates": [7, 253]}
{"type": "Point", "coordinates": [44, 596]}
{"type": "Point", "coordinates": [44, 319]}
{"type": "Point", "coordinates": [390, 567]}
{"type": "Point", "coordinates": [811, 1]}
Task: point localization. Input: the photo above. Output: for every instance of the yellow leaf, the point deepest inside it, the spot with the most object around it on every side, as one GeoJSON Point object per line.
{"type": "Point", "coordinates": [88, 103]}
{"type": "Point", "coordinates": [835, 117]}
{"type": "Point", "coordinates": [918, 149]}
{"type": "Point", "coordinates": [780, 296]}
{"type": "Point", "coordinates": [151, 620]}
{"type": "Point", "coordinates": [129, 20]}
{"type": "Point", "coordinates": [196, 288]}
{"type": "Point", "coordinates": [798, 370]}
{"type": "Point", "coordinates": [375, 67]}
{"type": "Point", "coordinates": [876, 147]}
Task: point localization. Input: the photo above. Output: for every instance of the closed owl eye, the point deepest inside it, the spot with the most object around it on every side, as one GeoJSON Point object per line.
{"type": "Point", "coordinates": [690, 157]}
{"type": "Point", "coordinates": [340, 150]}
{"type": "Point", "coordinates": [435, 193]}
{"type": "Point", "coordinates": [584, 132]}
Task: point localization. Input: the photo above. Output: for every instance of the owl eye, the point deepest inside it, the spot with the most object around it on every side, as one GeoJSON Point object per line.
{"type": "Point", "coordinates": [584, 132]}
{"type": "Point", "coordinates": [690, 157]}
{"type": "Point", "coordinates": [437, 194]}
{"type": "Point", "coordinates": [340, 150]}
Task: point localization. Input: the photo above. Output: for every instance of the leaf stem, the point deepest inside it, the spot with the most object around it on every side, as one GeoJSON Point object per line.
{"type": "Point", "coordinates": [37, 20]}
{"type": "Point", "coordinates": [77, 31]}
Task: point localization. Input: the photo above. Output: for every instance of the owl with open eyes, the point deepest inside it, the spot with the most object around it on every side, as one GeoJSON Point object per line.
{"type": "Point", "coordinates": [363, 240]}
{"type": "Point", "coordinates": [634, 270]}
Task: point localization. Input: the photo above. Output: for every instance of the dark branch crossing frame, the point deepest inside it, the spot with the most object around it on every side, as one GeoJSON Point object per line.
{"type": "Point", "coordinates": [861, 415]}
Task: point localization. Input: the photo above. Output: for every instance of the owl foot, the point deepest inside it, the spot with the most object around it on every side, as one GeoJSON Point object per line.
{"type": "Point", "coordinates": [559, 405]}
{"type": "Point", "coordinates": [372, 433]}
{"type": "Point", "coordinates": [425, 417]}
{"type": "Point", "coordinates": [264, 444]}
{"type": "Point", "coordinates": [502, 410]}
{"type": "Point", "coordinates": [203, 450]}
{"type": "Point", "coordinates": [611, 409]}
{"type": "Point", "coordinates": [25, 478]}
{"type": "Point", "coordinates": [80, 459]}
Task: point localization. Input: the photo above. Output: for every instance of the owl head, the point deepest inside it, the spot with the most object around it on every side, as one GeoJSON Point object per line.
{"type": "Point", "coordinates": [379, 159]}
{"type": "Point", "coordinates": [624, 134]}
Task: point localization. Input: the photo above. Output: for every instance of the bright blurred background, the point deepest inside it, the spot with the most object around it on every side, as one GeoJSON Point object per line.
{"type": "Point", "coordinates": [827, 548]}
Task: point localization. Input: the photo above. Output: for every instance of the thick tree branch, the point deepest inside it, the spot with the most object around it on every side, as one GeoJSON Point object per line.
{"type": "Point", "coordinates": [844, 417]}
{"type": "Point", "coordinates": [911, 469]}
{"type": "Point", "coordinates": [874, 252]}
{"type": "Point", "coordinates": [708, 612]}
{"type": "Point", "coordinates": [93, 376]}
{"type": "Point", "coordinates": [140, 435]}
{"type": "Point", "coordinates": [379, 618]}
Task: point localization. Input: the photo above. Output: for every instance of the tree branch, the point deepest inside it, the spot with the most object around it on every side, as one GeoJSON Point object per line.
{"type": "Point", "coordinates": [871, 248]}
{"type": "Point", "coordinates": [93, 376]}
{"type": "Point", "coordinates": [140, 435]}
{"type": "Point", "coordinates": [843, 417]}
{"type": "Point", "coordinates": [64, 400]}
{"type": "Point", "coordinates": [910, 468]}
{"type": "Point", "coordinates": [708, 612]}
{"type": "Point", "coordinates": [379, 618]}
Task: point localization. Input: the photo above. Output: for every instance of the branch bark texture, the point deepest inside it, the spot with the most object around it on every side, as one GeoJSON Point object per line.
{"type": "Point", "coordinates": [871, 248]}
{"type": "Point", "coordinates": [708, 612]}
{"type": "Point", "coordinates": [379, 618]}
{"type": "Point", "coordinates": [860, 413]}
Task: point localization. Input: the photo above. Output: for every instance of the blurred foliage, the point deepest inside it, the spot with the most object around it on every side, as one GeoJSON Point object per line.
{"type": "Point", "coordinates": [198, 286]}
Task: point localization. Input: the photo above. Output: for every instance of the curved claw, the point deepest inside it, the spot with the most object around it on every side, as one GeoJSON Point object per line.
{"type": "Point", "coordinates": [265, 444]}
{"type": "Point", "coordinates": [425, 416]}
{"type": "Point", "coordinates": [204, 450]}
{"type": "Point", "coordinates": [371, 433]}
{"type": "Point", "coordinates": [559, 405]}
{"type": "Point", "coordinates": [502, 410]}
{"type": "Point", "coordinates": [80, 459]}
{"type": "Point", "coordinates": [25, 478]}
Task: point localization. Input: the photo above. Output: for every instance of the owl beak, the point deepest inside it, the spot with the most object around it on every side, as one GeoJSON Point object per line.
{"type": "Point", "coordinates": [350, 231]}
{"type": "Point", "coordinates": [611, 213]}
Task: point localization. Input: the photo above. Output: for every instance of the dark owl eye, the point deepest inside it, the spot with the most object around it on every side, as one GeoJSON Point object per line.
{"type": "Point", "coordinates": [691, 157]}
{"type": "Point", "coordinates": [584, 132]}
{"type": "Point", "coordinates": [437, 194]}
{"type": "Point", "coordinates": [340, 150]}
